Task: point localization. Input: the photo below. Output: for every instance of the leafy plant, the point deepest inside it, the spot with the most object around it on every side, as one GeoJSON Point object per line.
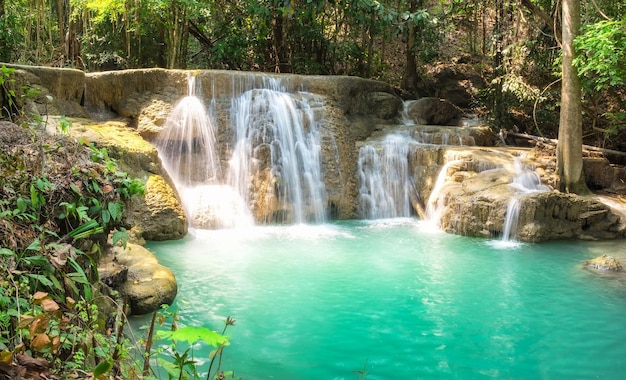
{"type": "Point", "coordinates": [7, 93]}
{"type": "Point", "coordinates": [59, 200]}
{"type": "Point", "coordinates": [180, 363]}
{"type": "Point", "coordinates": [600, 61]}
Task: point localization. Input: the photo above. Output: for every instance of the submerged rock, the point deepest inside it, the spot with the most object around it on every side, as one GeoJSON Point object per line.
{"type": "Point", "coordinates": [604, 263]}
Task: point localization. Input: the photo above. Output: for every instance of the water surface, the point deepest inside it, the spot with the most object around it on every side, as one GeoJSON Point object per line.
{"type": "Point", "coordinates": [400, 301]}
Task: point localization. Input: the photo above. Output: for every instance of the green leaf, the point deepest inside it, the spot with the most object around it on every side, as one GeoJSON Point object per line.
{"type": "Point", "coordinates": [41, 279]}
{"type": "Point", "coordinates": [172, 369]}
{"type": "Point", "coordinates": [116, 209]}
{"type": "Point", "coordinates": [34, 246]}
{"type": "Point", "coordinates": [120, 236]}
{"type": "Point", "coordinates": [106, 217]}
{"type": "Point", "coordinates": [192, 334]}
{"type": "Point", "coordinates": [87, 229]}
{"type": "Point", "coordinates": [21, 204]}
{"type": "Point", "coordinates": [102, 368]}
{"type": "Point", "coordinates": [75, 188]}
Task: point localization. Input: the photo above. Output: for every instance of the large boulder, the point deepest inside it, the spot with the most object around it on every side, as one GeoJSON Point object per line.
{"type": "Point", "coordinates": [136, 273]}
{"type": "Point", "coordinates": [433, 111]}
{"type": "Point", "coordinates": [458, 82]}
{"type": "Point", "coordinates": [159, 215]}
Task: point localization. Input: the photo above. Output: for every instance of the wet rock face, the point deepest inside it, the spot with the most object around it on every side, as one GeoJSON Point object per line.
{"type": "Point", "coordinates": [604, 263]}
{"type": "Point", "coordinates": [476, 204]}
{"type": "Point", "coordinates": [434, 111]}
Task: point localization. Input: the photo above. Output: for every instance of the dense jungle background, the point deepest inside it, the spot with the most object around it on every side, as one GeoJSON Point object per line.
{"type": "Point", "coordinates": [62, 201]}
{"type": "Point", "coordinates": [501, 58]}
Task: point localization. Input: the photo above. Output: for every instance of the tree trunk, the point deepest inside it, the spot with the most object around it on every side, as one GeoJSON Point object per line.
{"type": "Point", "coordinates": [61, 20]}
{"type": "Point", "coordinates": [409, 82]}
{"type": "Point", "coordinates": [569, 148]}
{"type": "Point", "coordinates": [499, 106]}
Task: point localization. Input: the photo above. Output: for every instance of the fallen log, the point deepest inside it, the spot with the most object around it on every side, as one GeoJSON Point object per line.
{"type": "Point", "coordinates": [615, 156]}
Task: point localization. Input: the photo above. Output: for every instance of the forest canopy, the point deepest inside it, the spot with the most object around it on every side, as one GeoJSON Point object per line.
{"type": "Point", "coordinates": [514, 46]}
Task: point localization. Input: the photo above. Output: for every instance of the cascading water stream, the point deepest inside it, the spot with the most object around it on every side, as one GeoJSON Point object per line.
{"type": "Point", "coordinates": [436, 200]}
{"type": "Point", "coordinates": [187, 147]}
{"type": "Point", "coordinates": [187, 142]}
{"type": "Point", "coordinates": [277, 154]}
{"type": "Point", "coordinates": [385, 180]}
{"type": "Point", "coordinates": [526, 181]}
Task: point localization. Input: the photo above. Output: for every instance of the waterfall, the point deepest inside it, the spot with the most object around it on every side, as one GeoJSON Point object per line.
{"type": "Point", "coordinates": [436, 200]}
{"type": "Point", "coordinates": [187, 148]}
{"type": "Point", "coordinates": [511, 218]}
{"type": "Point", "coordinates": [385, 180]}
{"type": "Point", "coordinates": [186, 144]}
{"type": "Point", "coordinates": [525, 181]}
{"type": "Point", "coordinates": [276, 155]}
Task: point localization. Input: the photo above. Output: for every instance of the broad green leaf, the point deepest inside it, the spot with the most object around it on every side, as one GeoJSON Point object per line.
{"type": "Point", "coordinates": [193, 334]}
{"type": "Point", "coordinates": [41, 279]}
{"type": "Point", "coordinates": [34, 246]}
{"type": "Point", "coordinates": [172, 369]}
{"type": "Point", "coordinates": [102, 368]}
{"type": "Point", "coordinates": [115, 209]}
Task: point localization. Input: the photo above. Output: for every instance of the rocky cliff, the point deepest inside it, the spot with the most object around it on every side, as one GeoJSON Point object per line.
{"type": "Point", "coordinates": [477, 183]}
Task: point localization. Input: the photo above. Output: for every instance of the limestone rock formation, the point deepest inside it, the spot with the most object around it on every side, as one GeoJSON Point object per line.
{"type": "Point", "coordinates": [58, 91]}
{"type": "Point", "coordinates": [160, 216]}
{"type": "Point", "coordinates": [476, 204]}
{"type": "Point", "coordinates": [433, 111]}
{"type": "Point", "coordinates": [604, 263]}
{"type": "Point", "coordinates": [139, 277]}
{"type": "Point", "coordinates": [350, 111]}
{"type": "Point", "coordinates": [157, 216]}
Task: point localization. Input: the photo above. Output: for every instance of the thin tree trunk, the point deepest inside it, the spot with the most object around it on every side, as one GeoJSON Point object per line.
{"type": "Point", "coordinates": [409, 82]}
{"type": "Point", "coordinates": [138, 31]}
{"type": "Point", "coordinates": [61, 18]}
{"type": "Point", "coordinates": [569, 148]}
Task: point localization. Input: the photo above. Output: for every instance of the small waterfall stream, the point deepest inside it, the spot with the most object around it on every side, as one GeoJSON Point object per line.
{"type": "Point", "coordinates": [436, 200]}
{"type": "Point", "coordinates": [526, 181]}
{"type": "Point", "coordinates": [188, 151]}
{"type": "Point", "coordinates": [186, 144]}
{"type": "Point", "coordinates": [386, 183]}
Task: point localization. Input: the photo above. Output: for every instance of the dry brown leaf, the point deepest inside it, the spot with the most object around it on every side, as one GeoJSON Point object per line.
{"type": "Point", "coordinates": [41, 342]}
{"type": "Point", "coordinates": [40, 295]}
{"type": "Point", "coordinates": [39, 324]}
{"type": "Point", "coordinates": [49, 305]}
{"type": "Point", "coordinates": [70, 302]}
{"type": "Point", "coordinates": [25, 320]}
{"type": "Point", "coordinates": [107, 189]}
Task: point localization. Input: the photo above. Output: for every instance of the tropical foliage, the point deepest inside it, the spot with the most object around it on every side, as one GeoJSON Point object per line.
{"type": "Point", "coordinates": [60, 201]}
{"type": "Point", "coordinates": [513, 45]}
